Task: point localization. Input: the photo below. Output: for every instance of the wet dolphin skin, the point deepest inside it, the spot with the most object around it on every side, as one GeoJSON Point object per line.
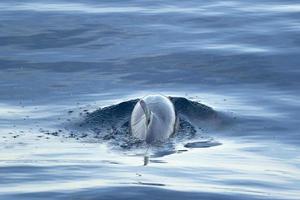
{"type": "Point", "coordinates": [153, 119]}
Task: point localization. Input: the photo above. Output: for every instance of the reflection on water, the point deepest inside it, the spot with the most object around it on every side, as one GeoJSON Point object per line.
{"type": "Point", "coordinates": [61, 61]}
{"type": "Point", "coordinates": [69, 167]}
{"type": "Point", "coordinates": [146, 160]}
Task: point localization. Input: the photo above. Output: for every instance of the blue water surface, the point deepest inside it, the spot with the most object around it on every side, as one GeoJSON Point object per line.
{"type": "Point", "coordinates": [241, 58]}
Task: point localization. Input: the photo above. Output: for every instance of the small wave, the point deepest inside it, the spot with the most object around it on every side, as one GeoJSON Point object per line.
{"type": "Point", "coordinates": [111, 125]}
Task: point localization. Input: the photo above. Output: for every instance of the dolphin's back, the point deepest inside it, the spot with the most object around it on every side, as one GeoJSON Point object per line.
{"type": "Point", "coordinates": [162, 123]}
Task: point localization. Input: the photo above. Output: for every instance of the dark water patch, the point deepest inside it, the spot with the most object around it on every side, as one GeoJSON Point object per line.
{"type": "Point", "coordinates": [193, 110]}
{"type": "Point", "coordinates": [112, 116]}
{"type": "Point", "coordinates": [158, 153]}
{"type": "Point", "coordinates": [157, 161]}
{"type": "Point", "coordinates": [202, 144]}
{"type": "Point", "coordinates": [111, 162]}
{"type": "Point", "coordinates": [151, 184]}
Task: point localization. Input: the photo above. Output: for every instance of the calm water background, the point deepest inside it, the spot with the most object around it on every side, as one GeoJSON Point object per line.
{"type": "Point", "coordinates": [240, 57]}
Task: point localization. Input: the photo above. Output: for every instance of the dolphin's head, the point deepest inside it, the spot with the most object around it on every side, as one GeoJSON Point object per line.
{"type": "Point", "coordinates": [153, 119]}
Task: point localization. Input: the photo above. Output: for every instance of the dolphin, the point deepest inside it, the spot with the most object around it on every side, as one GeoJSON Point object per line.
{"type": "Point", "coordinates": [153, 119]}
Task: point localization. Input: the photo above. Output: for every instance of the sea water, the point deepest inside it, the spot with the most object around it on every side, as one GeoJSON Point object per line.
{"type": "Point", "coordinates": [63, 60]}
